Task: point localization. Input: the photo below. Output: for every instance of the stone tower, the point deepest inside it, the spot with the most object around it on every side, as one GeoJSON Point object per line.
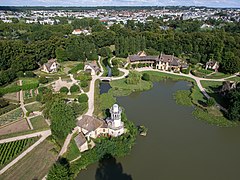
{"type": "Point", "coordinates": [116, 115]}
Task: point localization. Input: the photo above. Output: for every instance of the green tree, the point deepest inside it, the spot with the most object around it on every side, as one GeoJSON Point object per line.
{"type": "Point", "coordinates": [82, 98]}
{"type": "Point", "coordinates": [211, 102]}
{"type": "Point", "coordinates": [63, 120]}
{"type": "Point", "coordinates": [60, 171]}
{"type": "Point", "coordinates": [115, 71]}
{"type": "Point", "coordinates": [145, 77]}
{"type": "Point", "coordinates": [74, 88]}
{"type": "Point", "coordinates": [61, 54]}
{"type": "Point", "coordinates": [43, 80]}
{"type": "Point", "coordinates": [64, 90]}
{"type": "Point", "coordinates": [234, 105]}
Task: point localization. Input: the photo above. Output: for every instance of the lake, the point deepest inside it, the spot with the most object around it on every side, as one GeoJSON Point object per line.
{"type": "Point", "coordinates": [177, 146]}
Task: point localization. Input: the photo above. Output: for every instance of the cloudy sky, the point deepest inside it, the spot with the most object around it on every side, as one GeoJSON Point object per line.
{"type": "Point", "coordinates": [211, 3]}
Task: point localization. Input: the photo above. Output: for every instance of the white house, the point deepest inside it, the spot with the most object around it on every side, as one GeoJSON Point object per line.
{"type": "Point", "coordinates": [214, 65]}
{"type": "Point", "coordinates": [50, 67]}
{"type": "Point", "coordinates": [91, 127]}
{"type": "Point", "coordinates": [92, 68]}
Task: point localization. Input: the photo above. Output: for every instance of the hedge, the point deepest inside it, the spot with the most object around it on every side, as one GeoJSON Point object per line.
{"type": "Point", "coordinates": [16, 88]}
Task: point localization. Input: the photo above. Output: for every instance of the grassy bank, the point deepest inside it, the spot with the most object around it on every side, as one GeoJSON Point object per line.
{"type": "Point", "coordinates": [182, 97]}
{"type": "Point", "coordinates": [211, 115]}
{"type": "Point", "coordinates": [121, 88]}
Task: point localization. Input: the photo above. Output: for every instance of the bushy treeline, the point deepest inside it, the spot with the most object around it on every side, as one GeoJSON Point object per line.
{"type": "Point", "coordinates": [24, 47]}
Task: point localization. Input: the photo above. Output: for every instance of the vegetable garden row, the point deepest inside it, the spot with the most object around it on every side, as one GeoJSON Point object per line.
{"type": "Point", "coordinates": [10, 150]}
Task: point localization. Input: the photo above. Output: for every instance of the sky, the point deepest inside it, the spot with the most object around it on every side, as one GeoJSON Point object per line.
{"type": "Point", "coordinates": [209, 3]}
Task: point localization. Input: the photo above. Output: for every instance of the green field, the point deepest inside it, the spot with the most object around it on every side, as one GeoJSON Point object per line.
{"type": "Point", "coordinates": [121, 88]}
{"type": "Point", "coordinates": [35, 165]}
{"type": "Point", "coordinates": [8, 151]}
{"type": "Point", "coordinates": [10, 117]}
{"type": "Point", "coordinates": [39, 122]}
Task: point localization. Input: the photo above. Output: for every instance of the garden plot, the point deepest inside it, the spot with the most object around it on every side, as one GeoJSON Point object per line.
{"type": "Point", "coordinates": [38, 122]}
{"type": "Point", "coordinates": [10, 150]}
{"type": "Point", "coordinates": [34, 107]}
{"type": "Point", "coordinates": [11, 117]}
{"type": "Point", "coordinates": [15, 127]}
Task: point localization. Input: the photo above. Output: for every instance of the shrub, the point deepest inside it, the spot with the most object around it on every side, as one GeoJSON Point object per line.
{"type": "Point", "coordinates": [20, 74]}
{"type": "Point", "coordinates": [83, 98]}
{"type": "Point", "coordinates": [29, 74]}
{"type": "Point", "coordinates": [64, 90]}
{"type": "Point", "coordinates": [145, 77]}
{"type": "Point", "coordinates": [74, 88]}
{"type": "Point", "coordinates": [211, 102]}
{"type": "Point", "coordinates": [115, 71]}
{"type": "Point", "coordinates": [3, 103]}
{"type": "Point", "coordinates": [84, 84]}
{"type": "Point", "coordinates": [43, 80]}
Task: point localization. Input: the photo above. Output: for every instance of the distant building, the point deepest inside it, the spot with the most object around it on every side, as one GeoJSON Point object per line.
{"type": "Point", "coordinates": [161, 62]}
{"type": "Point", "coordinates": [214, 65]}
{"type": "Point", "coordinates": [91, 127]}
{"type": "Point", "coordinates": [51, 66]}
{"type": "Point", "coordinates": [79, 31]}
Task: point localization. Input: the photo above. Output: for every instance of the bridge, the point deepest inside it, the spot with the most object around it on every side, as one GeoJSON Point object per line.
{"type": "Point", "coordinates": [105, 78]}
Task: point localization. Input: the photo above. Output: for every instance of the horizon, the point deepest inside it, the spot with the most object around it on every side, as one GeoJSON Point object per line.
{"type": "Point", "coordinates": [124, 3]}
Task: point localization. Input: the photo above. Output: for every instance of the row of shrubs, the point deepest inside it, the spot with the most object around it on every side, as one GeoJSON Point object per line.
{"type": "Point", "coordinates": [17, 88]}
{"type": "Point", "coordinates": [8, 108]}
{"type": "Point", "coordinates": [74, 88]}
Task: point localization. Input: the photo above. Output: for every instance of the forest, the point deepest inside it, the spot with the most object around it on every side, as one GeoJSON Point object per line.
{"type": "Point", "coordinates": [24, 47]}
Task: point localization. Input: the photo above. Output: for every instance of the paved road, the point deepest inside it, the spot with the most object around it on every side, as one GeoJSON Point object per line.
{"type": "Point", "coordinates": [44, 135]}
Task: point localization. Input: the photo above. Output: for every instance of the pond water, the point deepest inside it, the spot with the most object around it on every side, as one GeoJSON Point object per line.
{"type": "Point", "coordinates": [177, 146]}
{"type": "Point", "coordinates": [104, 87]}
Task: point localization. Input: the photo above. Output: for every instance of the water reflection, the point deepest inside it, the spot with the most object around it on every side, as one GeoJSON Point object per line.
{"type": "Point", "coordinates": [110, 169]}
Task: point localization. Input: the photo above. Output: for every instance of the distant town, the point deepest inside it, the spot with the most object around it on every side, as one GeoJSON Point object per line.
{"type": "Point", "coordinates": [118, 15]}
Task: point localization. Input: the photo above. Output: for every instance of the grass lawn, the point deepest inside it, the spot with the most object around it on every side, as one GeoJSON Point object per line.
{"type": "Point", "coordinates": [157, 76]}
{"type": "Point", "coordinates": [182, 97]}
{"type": "Point", "coordinates": [201, 72]}
{"type": "Point", "coordinates": [39, 122]}
{"type": "Point", "coordinates": [29, 81]}
{"type": "Point", "coordinates": [212, 88]}
{"type": "Point", "coordinates": [214, 117]}
{"type": "Point", "coordinates": [35, 165]}
{"type": "Point", "coordinates": [237, 79]}
{"type": "Point", "coordinates": [34, 107]}
{"type": "Point", "coordinates": [211, 85]}
{"type": "Point", "coordinates": [10, 117]}
{"type": "Point", "coordinates": [121, 88]}
{"type": "Point", "coordinates": [218, 75]}
{"type": "Point", "coordinates": [73, 151]}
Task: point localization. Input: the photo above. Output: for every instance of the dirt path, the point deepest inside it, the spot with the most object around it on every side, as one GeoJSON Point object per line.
{"type": "Point", "coordinates": [22, 105]}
